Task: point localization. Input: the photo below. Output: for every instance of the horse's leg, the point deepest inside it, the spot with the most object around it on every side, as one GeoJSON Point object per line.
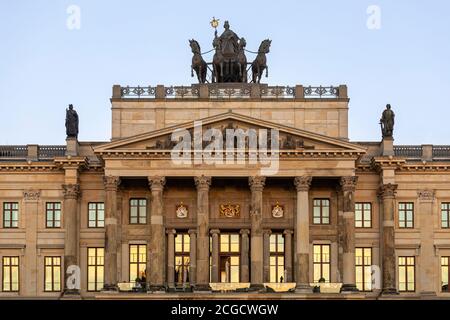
{"type": "Point", "coordinates": [192, 70]}
{"type": "Point", "coordinates": [267, 71]}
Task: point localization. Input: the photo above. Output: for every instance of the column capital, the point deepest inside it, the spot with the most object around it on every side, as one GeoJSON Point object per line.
{"type": "Point", "coordinates": [302, 183]}
{"type": "Point", "coordinates": [387, 191]}
{"type": "Point", "coordinates": [267, 232]}
{"type": "Point", "coordinates": [202, 182]}
{"type": "Point", "coordinates": [244, 232]}
{"type": "Point", "coordinates": [256, 183]}
{"type": "Point", "coordinates": [111, 182]}
{"type": "Point", "coordinates": [192, 231]}
{"type": "Point", "coordinates": [348, 183]}
{"type": "Point", "coordinates": [171, 231]}
{"type": "Point", "coordinates": [214, 231]}
{"type": "Point", "coordinates": [426, 195]}
{"type": "Point", "coordinates": [71, 190]}
{"type": "Point", "coordinates": [288, 231]}
{"type": "Point", "coordinates": [156, 183]}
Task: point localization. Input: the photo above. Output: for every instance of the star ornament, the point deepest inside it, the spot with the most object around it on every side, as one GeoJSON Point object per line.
{"type": "Point", "coordinates": [214, 23]}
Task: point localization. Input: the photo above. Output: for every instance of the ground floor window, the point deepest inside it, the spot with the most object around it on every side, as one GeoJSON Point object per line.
{"type": "Point", "coordinates": [444, 274]}
{"type": "Point", "coordinates": [229, 263]}
{"type": "Point", "coordinates": [52, 275]}
{"type": "Point", "coordinates": [363, 265]}
{"type": "Point", "coordinates": [321, 263]}
{"type": "Point", "coordinates": [138, 262]}
{"type": "Point", "coordinates": [182, 258]}
{"type": "Point", "coordinates": [277, 273]}
{"type": "Point", "coordinates": [10, 268]}
{"type": "Point", "coordinates": [96, 268]}
{"type": "Point", "coordinates": [406, 274]}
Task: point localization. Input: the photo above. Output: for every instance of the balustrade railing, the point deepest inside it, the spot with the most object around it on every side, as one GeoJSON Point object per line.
{"type": "Point", "coordinates": [441, 152]}
{"type": "Point", "coordinates": [14, 152]}
{"type": "Point", "coordinates": [408, 151]}
{"type": "Point", "coordinates": [50, 152]}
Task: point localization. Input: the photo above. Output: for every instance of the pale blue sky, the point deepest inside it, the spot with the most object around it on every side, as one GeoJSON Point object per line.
{"type": "Point", "coordinates": [44, 66]}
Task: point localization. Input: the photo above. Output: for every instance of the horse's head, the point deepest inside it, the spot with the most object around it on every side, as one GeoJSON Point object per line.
{"type": "Point", "coordinates": [194, 46]}
{"type": "Point", "coordinates": [265, 46]}
{"type": "Point", "coordinates": [242, 43]}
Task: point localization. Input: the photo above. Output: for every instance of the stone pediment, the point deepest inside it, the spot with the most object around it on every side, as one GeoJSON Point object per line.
{"type": "Point", "coordinates": [290, 139]}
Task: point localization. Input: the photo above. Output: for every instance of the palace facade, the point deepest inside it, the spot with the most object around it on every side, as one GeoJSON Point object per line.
{"type": "Point", "coordinates": [122, 219]}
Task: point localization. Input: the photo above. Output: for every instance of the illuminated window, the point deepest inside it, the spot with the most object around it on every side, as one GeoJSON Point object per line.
{"type": "Point", "coordinates": [277, 258]}
{"type": "Point", "coordinates": [96, 269]}
{"type": "Point", "coordinates": [445, 215]}
{"type": "Point", "coordinates": [406, 274]}
{"type": "Point", "coordinates": [52, 275]}
{"type": "Point", "coordinates": [229, 257]}
{"type": "Point", "coordinates": [363, 263]}
{"type": "Point", "coordinates": [363, 215]}
{"type": "Point", "coordinates": [321, 262]}
{"type": "Point", "coordinates": [321, 211]}
{"type": "Point", "coordinates": [96, 215]}
{"type": "Point", "coordinates": [53, 215]}
{"type": "Point", "coordinates": [138, 261]}
{"type": "Point", "coordinates": [182, 258]}
{"type": "Point", "coordinates": [138, 211]}
{"type": "Point", "coordinates": [444, 274]}
{"type": "Point", "coordinates": [10, 215]}
{"type": "Point", "coordinates": [406, 215]}
{"type": "Point", "coordinates": [10, 281]}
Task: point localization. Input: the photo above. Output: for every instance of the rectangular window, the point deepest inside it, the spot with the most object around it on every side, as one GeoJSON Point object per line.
{"type": "Point", "coordinates": [445, 215]}
{"type": "Point", "coordinates": [321, 211]}
{"type": "Point", "coordinates": [96, 269]}
{"type": "Point", "coordinates": [363, 264]}
{"type": "Point", "coordinates": [10, 281]}
{"type": "Point", "coordinates": [138, 261]}
{"type": "Point", "coordinates": [406, 215]}
{"type": "Point", "coordinates": [52, 274]}
{"type": "Point", "coordinates": [10, 215]}
{"type": "Point", "coordinates": [182, 260]}
{"type": "Point", "coordinates": [277, 258]}
{"type": "Point", "coordinates": [406, 274]}
{"type": "Point", "coordinates": [96, 215]}
{"type": "Point", "coordinates": [363, 215]}
{"type": "Point", "coordinates": [321, 263]}
{"type": "Point", "coordinates": [138, 211]}
{"type": "Point", "coordinates": [53, 215]}
{"type": "Point", "coordinates": [229, 257]}
{"type": "Point", "coordinates": [444, 274]}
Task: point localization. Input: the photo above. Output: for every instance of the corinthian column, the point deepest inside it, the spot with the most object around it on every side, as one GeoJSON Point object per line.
{"type": "Point", "coordinates": [288, 254]}
{"type": "Point", "coordinates": [111, 184]}
{"type": "Point", "coordinates": [203, 183]}
{"type": "Point", "coordinates": [244, 255]}
{"type": "Point", "coordinates": [71, 194]}
{"type": "Point", "coordinates": [302, 185]}
{"type": "Point", "coordinates": [256, 241]}
{"type": "Point", "coordinates": [348, 185]}
{"type": "Point", "coordinates": [156, 248]}
{"type": "Point", "coordinates": [387, 196]}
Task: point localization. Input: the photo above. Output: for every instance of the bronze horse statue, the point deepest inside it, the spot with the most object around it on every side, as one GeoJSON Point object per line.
{"type": "Point", "coordinates": [242, 60]}
{"type": "Point", "coordinates": [198, 64]}
{"type": "Point", "coordinates": [260, 62]}
{"type": "Point", "coordinates": [218, 59]}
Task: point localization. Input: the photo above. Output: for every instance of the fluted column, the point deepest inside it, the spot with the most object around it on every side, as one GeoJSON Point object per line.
{"type": "Point", "coordinates": [71, 195]}
{"type": "Point", "coordinates": [215, 256]}
{"type": "Point", "coordinates": [387, 194]}
{"type": "Point", "coordinates": [288, 254]}
{"type": "Point", "coordinates": [171, 257]}
{"type": "Point", "coordinates": [256, 241]}
{"type": "Point", "coordinates": [302, 185]}
{"type": "Point", "coordinates": [111, 184]}
{"type": "Point", "coordinates": [266, 254]}
{"type": "Point", "coordinates": [192, 256]}
{"type": "Point", "coordinates": [156, 249]}
{"type": "Point", "coordinates": [202, 183]}
{"type": "Point", "coordinates": [244, 255]}
{"type": "Point", "coordinates": [348, 185]}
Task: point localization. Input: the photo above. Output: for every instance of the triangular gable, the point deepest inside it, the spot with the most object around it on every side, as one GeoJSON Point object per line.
{"type": "Point", "coordinates": [290, 138]}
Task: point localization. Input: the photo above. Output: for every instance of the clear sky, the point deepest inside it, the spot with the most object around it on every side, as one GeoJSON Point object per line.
{"type": "Point", "coordinates": [44, 65]}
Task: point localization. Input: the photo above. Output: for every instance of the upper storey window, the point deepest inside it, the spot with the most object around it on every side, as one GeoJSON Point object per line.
{"type": "Point", "coordinates": [10, 215]}
{"type": "Point", "coordinates": [138, 211]}
{"type": "Point", "coordinates": [321, 211]}
{"type": "Point", "coordinates": [406, 215]}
